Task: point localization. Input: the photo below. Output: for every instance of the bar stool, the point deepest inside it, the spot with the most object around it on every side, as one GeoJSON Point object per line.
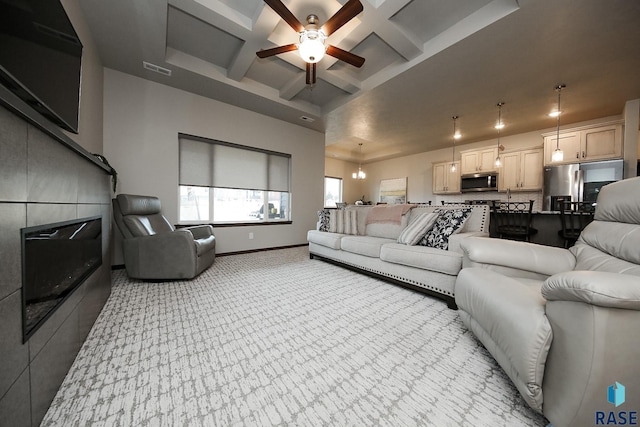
{"type": "Point", "coordinates": [513, 219]}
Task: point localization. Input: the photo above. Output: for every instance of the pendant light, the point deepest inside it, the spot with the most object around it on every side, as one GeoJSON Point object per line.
{"type": "Point", "coordinates": [557, 155]}
{"type": "Point", "coordinates": [499, 125]}
{"type": "Point", "coordinates": [359, 174]}
{"type": "Point", "coordinates": [456, 135]}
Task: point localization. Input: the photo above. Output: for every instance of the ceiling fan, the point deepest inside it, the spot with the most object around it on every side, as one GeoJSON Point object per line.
{"type": "Point", "coordinates": [312, 36]}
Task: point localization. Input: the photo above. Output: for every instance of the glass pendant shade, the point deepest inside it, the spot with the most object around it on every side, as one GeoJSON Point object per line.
{"type": "Point", "coordinates": [311, 47]}
{"type": "Point", "coordinates": [557, 155]}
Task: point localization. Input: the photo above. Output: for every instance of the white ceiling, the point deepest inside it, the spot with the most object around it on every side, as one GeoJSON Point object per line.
{"type": "Point", "coordinates": [426, 61]}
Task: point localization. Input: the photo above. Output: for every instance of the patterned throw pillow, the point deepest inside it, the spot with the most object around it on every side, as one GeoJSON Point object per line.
{"type": "Point", "coordinates": [342, 221]}
{"type": "Point", "coordinates": [323, 219]}
{"type": "Point", "coordinates": [449, 222]}
{"type": "Point", "coordinates": [415, 231]}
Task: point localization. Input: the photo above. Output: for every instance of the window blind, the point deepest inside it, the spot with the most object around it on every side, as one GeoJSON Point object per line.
{"type": "Point", "coordinates": [209, 163]}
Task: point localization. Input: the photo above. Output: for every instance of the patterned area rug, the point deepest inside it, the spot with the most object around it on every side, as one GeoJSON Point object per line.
{"type": "Point", "coordinates": [274, 338]}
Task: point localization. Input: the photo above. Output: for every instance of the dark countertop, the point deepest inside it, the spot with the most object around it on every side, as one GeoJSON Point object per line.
{"type": "Point", "coordinates": [548, 226]}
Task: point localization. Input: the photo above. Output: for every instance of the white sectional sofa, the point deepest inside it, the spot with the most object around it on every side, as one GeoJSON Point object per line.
{"type": "Point", "coordinates": [373, 248]}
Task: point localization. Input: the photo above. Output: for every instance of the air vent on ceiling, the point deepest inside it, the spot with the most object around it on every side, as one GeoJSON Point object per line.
{"type": "Point", "coordinates": [156, 68]}
{"type": "Point", "coordinates": [307, 119]}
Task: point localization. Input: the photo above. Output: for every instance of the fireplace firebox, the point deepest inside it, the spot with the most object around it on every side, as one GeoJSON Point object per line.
{"type": "Point", "coordinates": [56, 259]}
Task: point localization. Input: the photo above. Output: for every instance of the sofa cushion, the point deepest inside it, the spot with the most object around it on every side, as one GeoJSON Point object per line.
{"type": "Point", "coordinates": [330, 240]}
{"type": "Point", "coordinates": [449, 221]}
{"type": "Point", "coordinates": [617, 239]}
{"type": "Point", "coordinates": [364, 245]}
{"type": "Point", "coordinates": [437, 260]}
{"type": "Point", "coordinates": [415, 231]}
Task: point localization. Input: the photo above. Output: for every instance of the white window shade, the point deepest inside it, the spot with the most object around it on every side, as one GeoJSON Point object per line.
{"type": "Point", "coordinates": [279, 173]}
{"type": "Point", "coordinates": [210, 163]}
{"type": "Point", "coordinates": [195, 163]}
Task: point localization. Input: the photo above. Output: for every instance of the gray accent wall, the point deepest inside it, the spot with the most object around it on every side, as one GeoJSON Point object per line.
{"type": "Point", "coordinates": [44, 178]}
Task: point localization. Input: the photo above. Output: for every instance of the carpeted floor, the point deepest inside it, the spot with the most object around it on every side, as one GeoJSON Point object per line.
{"type": "Point", "coordinates": [274, 338]}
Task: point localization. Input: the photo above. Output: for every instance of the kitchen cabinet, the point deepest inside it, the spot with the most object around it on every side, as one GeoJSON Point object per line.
{"type": "Point", "coordinates": [445, 181]}
{"type": "Point", "coordinates": [521, 170]}
{"type": "Point", "coordinates": [585, 144]}
{"type": "Point", "coordinates": [478, 161]}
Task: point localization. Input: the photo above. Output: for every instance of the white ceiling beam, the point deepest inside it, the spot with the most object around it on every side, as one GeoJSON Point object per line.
{"type": "Point", "coordinates": [264, 24]}
{"type": "Point", "coordinates": [377, 19]}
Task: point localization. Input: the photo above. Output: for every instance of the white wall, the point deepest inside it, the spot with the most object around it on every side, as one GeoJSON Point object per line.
{"type": "Point", "coordinates": [89, 134]}
{"type": "Point", "coordinates": [142, 120]}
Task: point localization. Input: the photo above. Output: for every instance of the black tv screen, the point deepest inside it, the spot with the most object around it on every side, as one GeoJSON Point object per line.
{"type": "Point", "coordinates": [40, 58]}
{"type": "Point", "coordinates": [56, 259]}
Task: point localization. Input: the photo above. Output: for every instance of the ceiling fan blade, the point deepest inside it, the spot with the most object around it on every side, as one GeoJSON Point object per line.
{"type": "Point", "coordinates": [311, 73]}
{"type": "Point", "coordinates": [276, 50]}
{"type": "Point", "coordinates": [345, 56]}
{"type": "Point", "coordinates": [288, 17]}
{"type": "Point", "coordinates": [341, 17]}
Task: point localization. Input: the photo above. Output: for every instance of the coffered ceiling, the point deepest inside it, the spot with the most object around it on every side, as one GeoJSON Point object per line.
{"type": "Point", "coordinates": [426, 60]}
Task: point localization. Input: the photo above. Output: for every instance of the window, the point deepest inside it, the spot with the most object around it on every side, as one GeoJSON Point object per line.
{"type": "Point", "coordinates": [222, 182]}
{"type": "Point", "coordinates": [332, 191]}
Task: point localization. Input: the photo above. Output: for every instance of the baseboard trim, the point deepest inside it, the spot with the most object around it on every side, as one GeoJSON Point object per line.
{"type": "Point", "coordinates": [250, 251]}
{"type": "Point", "coordinates": [121, 266]}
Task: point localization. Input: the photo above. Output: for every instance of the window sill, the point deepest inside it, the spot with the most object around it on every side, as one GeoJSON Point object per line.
{"type": "Point", "coordinates": [236, 224]}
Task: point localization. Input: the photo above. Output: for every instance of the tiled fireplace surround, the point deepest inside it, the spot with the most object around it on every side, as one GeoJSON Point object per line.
{"type": "Point", "coordinates": [44, 178]}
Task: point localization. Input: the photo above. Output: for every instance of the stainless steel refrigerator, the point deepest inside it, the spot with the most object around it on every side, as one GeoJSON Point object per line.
{"type": "Point", "coordinates": [578, 182]}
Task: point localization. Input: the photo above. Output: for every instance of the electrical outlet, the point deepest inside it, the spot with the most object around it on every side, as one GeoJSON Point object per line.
{"type": "Point", "coordinates": [250, 236]}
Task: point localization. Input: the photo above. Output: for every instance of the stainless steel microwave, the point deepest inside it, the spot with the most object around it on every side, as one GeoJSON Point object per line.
{"type": "Point", "coordinates": [479, 182]}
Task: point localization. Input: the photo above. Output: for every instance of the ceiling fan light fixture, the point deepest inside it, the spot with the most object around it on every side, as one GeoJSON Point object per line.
{"type": "Point", "coordinates": [311, 47]}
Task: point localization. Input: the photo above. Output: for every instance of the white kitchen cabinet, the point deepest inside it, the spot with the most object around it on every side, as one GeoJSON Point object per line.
{"type": "Point", "coordinates": [521, 170]}
{"type": "Point", "coordinates": [602, 142]}
{"type": "Point", "coordinates": [445, 181]}
{"type": "Point", "coordinates": [478, 161]}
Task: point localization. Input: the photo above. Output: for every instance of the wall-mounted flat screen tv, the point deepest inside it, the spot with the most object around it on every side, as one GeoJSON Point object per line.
{"type": "Point", "coordinates": [40, 58]}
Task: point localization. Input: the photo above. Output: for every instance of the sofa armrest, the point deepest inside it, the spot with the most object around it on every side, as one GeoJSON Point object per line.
{"type": "Point", "coordinates": [599, 288]}
{"type": "Point", "coordinates": [455, 239]}
{"type": "Point", "coordinates": [524, 256]}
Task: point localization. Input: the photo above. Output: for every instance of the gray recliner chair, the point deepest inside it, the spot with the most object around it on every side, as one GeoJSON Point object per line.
{"type": "Point", "coordinates": [563, 323]}
{"type": "Point", "coordinates": [153, 248]}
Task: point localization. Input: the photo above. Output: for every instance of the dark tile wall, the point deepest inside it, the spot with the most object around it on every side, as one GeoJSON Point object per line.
{"type": "Point", "coordinates": [42, 181]}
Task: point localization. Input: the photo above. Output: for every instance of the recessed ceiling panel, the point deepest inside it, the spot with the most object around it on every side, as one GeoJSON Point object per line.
{"type": "Point", "coordinates": [197, 38]}
{"type": "Point", "coordinates": [248, 8]}
{"type": "Point", "coordinates": [273, 72]}
{"type": "Point", "coordinates": [427, 18]}
{"type": "Point", "coordinates": [320, 94]}
{"type": "Point", "coordinates": [377, 55]}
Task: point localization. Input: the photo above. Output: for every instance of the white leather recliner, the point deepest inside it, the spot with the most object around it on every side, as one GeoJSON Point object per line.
{"type": "Point", "coordinates": [564, 324]}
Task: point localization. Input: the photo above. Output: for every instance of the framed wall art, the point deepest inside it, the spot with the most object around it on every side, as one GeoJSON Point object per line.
{"type": "Point", "coordinates": [393, 191]}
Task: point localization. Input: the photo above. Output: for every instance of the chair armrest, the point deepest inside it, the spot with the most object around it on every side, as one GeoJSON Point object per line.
{"type": "Point", "coordinates": [524, 256]}
{"type": "Point", "coordinates": [161, 256]}
{"type": "Point", "coordinates": [455, 239]}
{"type": "Point", "coordinates": [199, 231]}
{"type": "Point", "coordinates": [599, 288]}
